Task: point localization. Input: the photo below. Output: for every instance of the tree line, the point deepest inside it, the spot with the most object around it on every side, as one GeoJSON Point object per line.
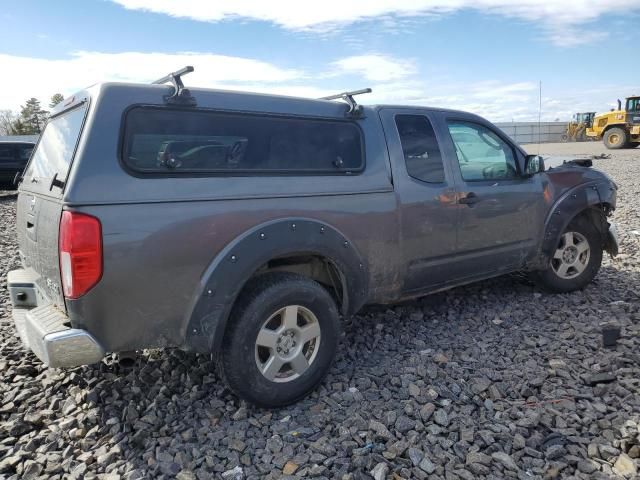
{"type": "Point", "coordinates": [30, 120]}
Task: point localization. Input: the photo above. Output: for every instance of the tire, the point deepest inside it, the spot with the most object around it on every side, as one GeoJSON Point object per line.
{"type": "Point", "coordinates": [586, 265]}
{"type": "Point", "coordinates": [615, 138]}
{"type": "Point", "coordinates": [266, 307]}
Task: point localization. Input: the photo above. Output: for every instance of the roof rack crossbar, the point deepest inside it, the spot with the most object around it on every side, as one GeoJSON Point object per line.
{"type": "Point", "coordinates": [180, 95]}
{"type": "Point", "coordinates": [355, 110]}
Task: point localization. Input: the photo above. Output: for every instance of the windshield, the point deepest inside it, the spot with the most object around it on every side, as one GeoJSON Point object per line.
{"type": "Point", "coordinates": [633, 104]}
{"type": "Point", "coordinates": [57, 145]}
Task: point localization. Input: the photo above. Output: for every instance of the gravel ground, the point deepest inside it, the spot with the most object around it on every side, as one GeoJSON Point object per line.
{"type": "Point", "coordinates": [494, 380]}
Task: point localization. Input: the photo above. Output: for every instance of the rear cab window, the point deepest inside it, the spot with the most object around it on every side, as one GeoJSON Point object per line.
{"type": "Point", "coordinates": [420, 148]}
{"type": "Point", "coordinates": [55, 150]}
{"type": "Point", "coordinates": [163, 141]}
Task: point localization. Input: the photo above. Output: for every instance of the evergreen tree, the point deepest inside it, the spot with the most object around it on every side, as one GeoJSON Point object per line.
{"type": "Point", "coordinates": [19, 128]}
{"type": "Point", "coordinates": [55, 100]}
{"type": "Point", "coordinates": [33, 117]}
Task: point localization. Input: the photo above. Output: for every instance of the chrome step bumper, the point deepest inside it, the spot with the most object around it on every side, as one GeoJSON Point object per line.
{"type": "Point", "coordinates": [45, 329]}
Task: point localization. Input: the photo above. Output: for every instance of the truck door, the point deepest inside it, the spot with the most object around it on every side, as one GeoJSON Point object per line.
{"type": "Point", "coordinates": [427, 198]}
{"type": "Point", "coordinates": [501, 211]}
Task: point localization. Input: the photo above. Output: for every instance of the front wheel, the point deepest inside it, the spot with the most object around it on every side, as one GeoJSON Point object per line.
{"type": "Point", "coordinates": [576, 260]}
{"type": "Point", "coordinates": [615, 138]}
{"type": "Point", "coordinates": [281, 339]}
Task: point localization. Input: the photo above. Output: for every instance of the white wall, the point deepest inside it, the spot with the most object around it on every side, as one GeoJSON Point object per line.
{"type": "Point", "coordinates": [528, 132]}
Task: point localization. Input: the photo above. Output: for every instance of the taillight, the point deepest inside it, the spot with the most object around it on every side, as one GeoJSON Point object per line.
{"type": "Point", "coordinates": [80, 253]}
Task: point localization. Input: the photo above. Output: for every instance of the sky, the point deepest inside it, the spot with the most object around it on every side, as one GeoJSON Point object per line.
{"type": "Point", "coordinates": [483, 56]}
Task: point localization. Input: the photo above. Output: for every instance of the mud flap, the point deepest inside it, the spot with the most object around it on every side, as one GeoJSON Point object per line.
{"type": "Point", "coordinates": [611, 245]}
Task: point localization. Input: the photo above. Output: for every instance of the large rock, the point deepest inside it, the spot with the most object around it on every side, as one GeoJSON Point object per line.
{"type": "Point", "coordinates": [427, 465]}
{"type": "Point", "coordinates": [379, 472]}
{"type": "Point", "coordinates": [625, 467]}
{"type": "Point", "coordinates": [379, 429]}
{"type": "Point", "coordinates": [505, 460]}
{"type": "Point", "coordinates": [426, 411]}
{"type": "Point", "coordinates": [441, 417]}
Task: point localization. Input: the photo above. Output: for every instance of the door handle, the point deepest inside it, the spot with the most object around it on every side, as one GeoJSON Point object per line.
{"type": "Point", "coordinates": [470, 199]}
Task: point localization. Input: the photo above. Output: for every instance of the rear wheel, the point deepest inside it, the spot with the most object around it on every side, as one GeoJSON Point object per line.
{"type": "Point", "coordinates": [281, 339]}
{"type": "Point", "coordinates": [576, 260]}
{"type": "Point", "coordinates": [615, 138]}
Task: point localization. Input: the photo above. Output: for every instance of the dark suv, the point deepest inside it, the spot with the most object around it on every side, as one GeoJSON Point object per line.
{"type": "Point", "coordinates": [13, 158]}
{"type": "Point", "coordinates": [247, 225]}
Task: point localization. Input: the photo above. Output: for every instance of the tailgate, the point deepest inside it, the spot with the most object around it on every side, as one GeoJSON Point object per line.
{"type": "Point", "coordinates": [38, 220]}
{"type": "Point", "coordinates": [40, 200]}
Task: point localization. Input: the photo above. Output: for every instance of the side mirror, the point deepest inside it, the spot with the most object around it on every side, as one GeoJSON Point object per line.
{"type": "Point", "coordinates": [533, 164]}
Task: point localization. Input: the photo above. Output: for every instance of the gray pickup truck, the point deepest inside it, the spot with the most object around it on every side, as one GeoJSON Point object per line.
{"type": "Point", "coordinates": [247, 225]}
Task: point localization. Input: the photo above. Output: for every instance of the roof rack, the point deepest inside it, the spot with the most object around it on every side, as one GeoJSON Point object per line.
{"type": "Point", "coordinates": [355, 110]}
{"type": "Point", "coordinates": [180, 95]}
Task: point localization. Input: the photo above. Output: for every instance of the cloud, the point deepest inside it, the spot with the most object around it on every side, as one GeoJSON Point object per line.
{"type": "Point", "coordinates": [378, 68]}
{"type": "Point", "coordinates": [394, 81]}
{"type": "Point", "coordinates": [513, 92]}
{"type": "Point", "coordinates": [42, 78]}
{"type": "Point", "coordinates": [559, 20]}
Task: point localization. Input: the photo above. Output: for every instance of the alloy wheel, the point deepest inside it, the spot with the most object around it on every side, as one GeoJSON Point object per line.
{"type": "Point", "coordinates": [287, 343]}
{"type": "Point", "coordinates": [572, 255]}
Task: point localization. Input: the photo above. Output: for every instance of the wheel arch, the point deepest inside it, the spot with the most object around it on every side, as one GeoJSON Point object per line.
{"type": "Point", "coordinates": [310, 247]}
{"type": "Point", "coordinates": [609, 126]}
{"type": "Point", "coordinates": [594, 200]}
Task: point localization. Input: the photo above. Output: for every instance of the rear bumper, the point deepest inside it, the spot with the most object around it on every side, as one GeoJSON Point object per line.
{"type": "Point", "coordinates": [45, 329]}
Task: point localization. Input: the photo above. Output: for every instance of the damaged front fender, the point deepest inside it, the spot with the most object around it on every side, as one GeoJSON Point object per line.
{"type": "Point", "coordinates": [595, 198]}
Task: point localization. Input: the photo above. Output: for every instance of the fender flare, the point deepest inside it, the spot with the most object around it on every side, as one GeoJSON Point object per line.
{"type": "Point", "coordinates": [617, 124]}
{"type": "Point", "coordinates": [233, 266]}
{"type": "Point", "coordinates": [568, 206]}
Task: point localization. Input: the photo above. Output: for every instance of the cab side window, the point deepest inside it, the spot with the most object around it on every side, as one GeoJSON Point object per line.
{"type": "Point", "coordinates": [482, 155]}
{"type": "Point", "coordinates": [420, 148]}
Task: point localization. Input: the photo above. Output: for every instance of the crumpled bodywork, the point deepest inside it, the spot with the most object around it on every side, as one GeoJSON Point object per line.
{"type": "Point", "coordinates": [569, 190]}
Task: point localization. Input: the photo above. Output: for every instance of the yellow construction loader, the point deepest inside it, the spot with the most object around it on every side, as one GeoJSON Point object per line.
{"type": "Point", "coordinates": [618, 128]}
{"type": "Point", "coordinates": [577, 128]}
